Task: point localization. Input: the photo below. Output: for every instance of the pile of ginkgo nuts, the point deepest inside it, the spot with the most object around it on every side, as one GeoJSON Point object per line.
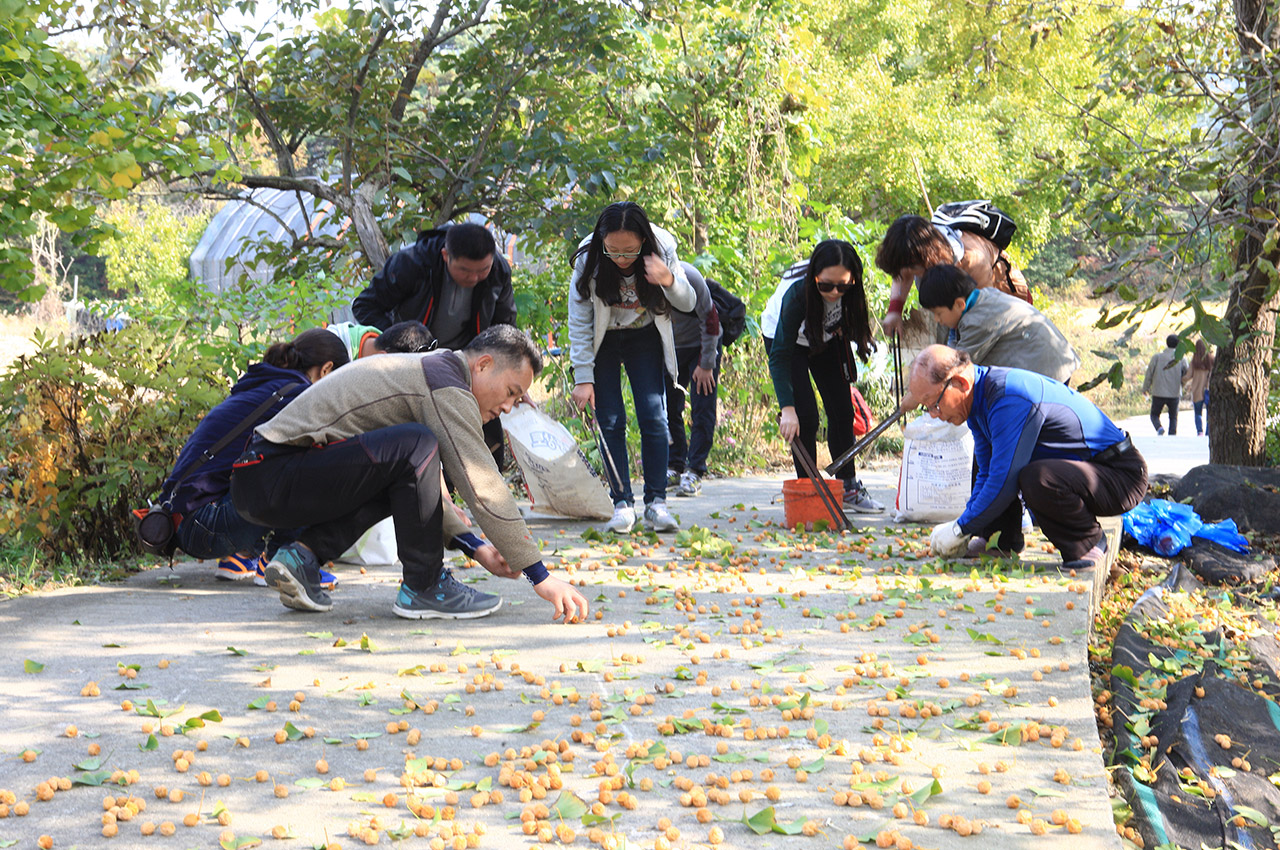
{"type": "Point", "coordinates": [839, 689]}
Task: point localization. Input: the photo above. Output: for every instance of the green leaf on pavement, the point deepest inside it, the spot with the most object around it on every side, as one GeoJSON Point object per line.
{"type": "Point", "coordinates": [568, 806]}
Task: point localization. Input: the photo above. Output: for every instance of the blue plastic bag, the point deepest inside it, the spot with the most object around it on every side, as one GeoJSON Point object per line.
{"type": "Point", "coordinates": [1224, 533]}
{"type": "Point", "coordinates": [1167, 527]}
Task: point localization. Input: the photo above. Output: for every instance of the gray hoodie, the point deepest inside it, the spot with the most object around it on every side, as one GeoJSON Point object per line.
{"type": "Point", "coordinates": [692, 330]}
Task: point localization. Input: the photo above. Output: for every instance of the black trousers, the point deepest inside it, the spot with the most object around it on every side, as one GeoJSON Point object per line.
{"type": "Point", "coordinates": [1159, 402]}
{"type": "Point", "coordinates": [334, 493]}
{"type": "Point", "coordinates": [691, 453]}
{"type": "Point", "coordinates": [836, 400]}
{"type": "Point", "coordinates": [1066, 497]}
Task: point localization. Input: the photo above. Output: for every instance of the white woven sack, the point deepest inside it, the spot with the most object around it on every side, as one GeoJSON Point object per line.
{"type": "Point", "coordinates": [936, 475]}
{"type": "Point", "coordinates": [557, 477]}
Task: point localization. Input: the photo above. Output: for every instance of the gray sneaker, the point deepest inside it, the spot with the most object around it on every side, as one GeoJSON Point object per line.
{"type": "Point", "coordinates": [673, 479]}
{"type": "Point", "coordinates": [295, 573]}
{"type": "Point", "coordinates": [450, 599]}
{"type": "Point", "coordinates": [859, 500]}
{"type": "Point", "coordinates": [657, 517]}
{"type": "Point", "coordinates": [690, 484]}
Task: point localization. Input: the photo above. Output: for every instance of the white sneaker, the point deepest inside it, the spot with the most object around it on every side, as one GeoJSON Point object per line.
{"type": "Point", "coordinates": [690, 484]}
{"type": "Point", "coordinates": [657, 517]}
{"type": "Point", "coordinates": [624, 517]}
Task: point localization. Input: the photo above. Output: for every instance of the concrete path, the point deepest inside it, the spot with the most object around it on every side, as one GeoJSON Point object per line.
{"type": "Point", "coordinates": [1170, 454]}
{"type": "Point", "coordinates": [734, 679]}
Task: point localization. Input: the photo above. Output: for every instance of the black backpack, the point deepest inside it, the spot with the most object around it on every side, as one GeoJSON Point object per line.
{"type": "Point", "coordinates": [981, 217]}
{"type": "Point", "coordinates": [733, 313]}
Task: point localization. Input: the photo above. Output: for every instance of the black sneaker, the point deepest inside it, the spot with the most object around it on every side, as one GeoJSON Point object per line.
{"type": "Point", "coordinates": [450, 599]}
{"type": "Point", "coordinates": [295, 573]}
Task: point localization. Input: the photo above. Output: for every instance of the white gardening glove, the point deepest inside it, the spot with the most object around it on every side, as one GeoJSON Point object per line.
{"type": "Point", "coordinates": [947, 539]}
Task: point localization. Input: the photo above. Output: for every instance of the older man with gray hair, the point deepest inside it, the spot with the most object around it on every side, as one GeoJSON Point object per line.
{"type": "Point", "coordinates": [1033, 436]}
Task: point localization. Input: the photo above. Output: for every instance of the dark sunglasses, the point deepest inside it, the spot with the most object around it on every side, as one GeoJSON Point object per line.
{"type": "Point", "coordinates": [842, 288]}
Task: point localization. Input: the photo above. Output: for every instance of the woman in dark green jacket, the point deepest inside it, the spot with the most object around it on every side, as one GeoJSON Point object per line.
{"type": "Point", "coordinates": [824, 314]}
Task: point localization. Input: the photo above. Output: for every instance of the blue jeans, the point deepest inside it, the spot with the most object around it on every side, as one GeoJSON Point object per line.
{"type": "Point", "coordinates": [215, 530]}
{"type": "Point", "coordinates": [1199, 405]}
{"type": "Point", "coordinates": [692, 453]}
{"type": "Point", "coordinates": [640, 352]}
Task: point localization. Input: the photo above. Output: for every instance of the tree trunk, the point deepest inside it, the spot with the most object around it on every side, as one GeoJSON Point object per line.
{"type": "Point", "coordinates": [1241, 376]}
{"type": "Point", "coordinates": [372, 242]}
{"type": "Point", "coordinates": [1240, 383]}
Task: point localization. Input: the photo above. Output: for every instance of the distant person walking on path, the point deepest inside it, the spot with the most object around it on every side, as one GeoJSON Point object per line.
{"type": "Point", "coordinates": [456, 282]}
{"type": "Point", "coordinates": [994, 327]}
{"type": "Point", "coordinates": [697, 340]}
{"type": "Point", "coordinates": [210, 526]}
{"type": "Point", "coordinates": [1037, 437]}
{"type": "Point", "coordinates": [348, 453]}
{"type": "Point", "coordinates": [1166, 373]}
{"type": "Point", "coordinates": [626, 282]}
{"type": "Point", "coordinates": [823, 314]}
{"type": "Point", "coordinates": [1198, 384]}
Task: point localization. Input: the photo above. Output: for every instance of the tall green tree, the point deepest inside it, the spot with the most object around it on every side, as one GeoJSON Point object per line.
{"type": "Point", "coordinates": [708, 115]}
{"type": "Point", "coordinates": [944, 101]}
{"type": "Point", "coordinates": [68, 140]}
{"type": "Point", "coordinates": [398, 114]}
{"type": "Point", "coordinates": [1195, 187]}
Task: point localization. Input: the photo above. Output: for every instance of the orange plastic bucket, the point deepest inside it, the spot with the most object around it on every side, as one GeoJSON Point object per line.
{"type": "Point", "coordinates": [802, 506]}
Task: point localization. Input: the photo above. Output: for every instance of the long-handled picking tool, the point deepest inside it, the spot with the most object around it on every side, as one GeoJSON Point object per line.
{"type": "Point", "coordinates": [839, 521]}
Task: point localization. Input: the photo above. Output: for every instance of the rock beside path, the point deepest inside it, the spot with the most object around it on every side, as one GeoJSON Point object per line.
{"type": "Point", "coordinates": [1249, 495]}
{"type": "Point", "coordinates": [1216, 564]}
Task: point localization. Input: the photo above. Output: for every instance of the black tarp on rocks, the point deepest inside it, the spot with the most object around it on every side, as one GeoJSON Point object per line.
{"type": "Point", "coordinates": [1170, 706]}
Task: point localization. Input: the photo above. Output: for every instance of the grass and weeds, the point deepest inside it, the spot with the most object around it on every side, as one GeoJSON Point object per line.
{"type": "Point", "coordinates": [26, 570]}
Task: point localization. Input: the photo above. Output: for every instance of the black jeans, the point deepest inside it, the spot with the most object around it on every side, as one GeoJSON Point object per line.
{"type": "Point", "coordinates": [1066, 497]}
{"type": "Point", "coordinates": [692, 453]}
{"type": "Point", "coordinates": [1158, 402]}
{"type": "Point", "coordinates": [334, 493]}
{"type": "Point", "coordinates": [836, 400]}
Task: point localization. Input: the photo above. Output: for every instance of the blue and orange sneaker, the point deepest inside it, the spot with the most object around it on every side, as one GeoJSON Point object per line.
{"type": "Point", "coordinates": [238, 567]}
{"type": "Point", "coordinates": [327, 579]}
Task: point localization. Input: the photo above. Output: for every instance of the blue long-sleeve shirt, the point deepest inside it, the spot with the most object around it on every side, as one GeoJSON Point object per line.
{"type": "Point", "coordinates": [1018, 417]}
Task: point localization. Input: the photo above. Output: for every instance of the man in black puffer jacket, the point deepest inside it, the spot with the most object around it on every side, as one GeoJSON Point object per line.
{"type": "Point", "coordinates": [454, 281]}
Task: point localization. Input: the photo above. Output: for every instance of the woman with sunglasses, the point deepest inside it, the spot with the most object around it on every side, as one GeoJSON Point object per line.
{"type": "Point", "coordinates": [823, 313]}
{"type": "Point", "coordinates": [626, 281]}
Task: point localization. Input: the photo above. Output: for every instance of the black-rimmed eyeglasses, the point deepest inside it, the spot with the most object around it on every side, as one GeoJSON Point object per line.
{"type": "Point", "coordinates": [936, 407]}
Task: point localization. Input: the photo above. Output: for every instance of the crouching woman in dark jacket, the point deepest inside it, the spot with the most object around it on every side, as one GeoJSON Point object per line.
{"type": "Point", "coordinates": [209, 525]}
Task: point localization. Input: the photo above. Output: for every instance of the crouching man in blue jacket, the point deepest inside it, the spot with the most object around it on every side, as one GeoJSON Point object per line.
{"type": "Point", "coordinates": [1037, 437]}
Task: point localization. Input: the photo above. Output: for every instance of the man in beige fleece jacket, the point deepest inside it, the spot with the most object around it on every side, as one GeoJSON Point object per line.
{"type": "Point", "coordinates": [336, 461]}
